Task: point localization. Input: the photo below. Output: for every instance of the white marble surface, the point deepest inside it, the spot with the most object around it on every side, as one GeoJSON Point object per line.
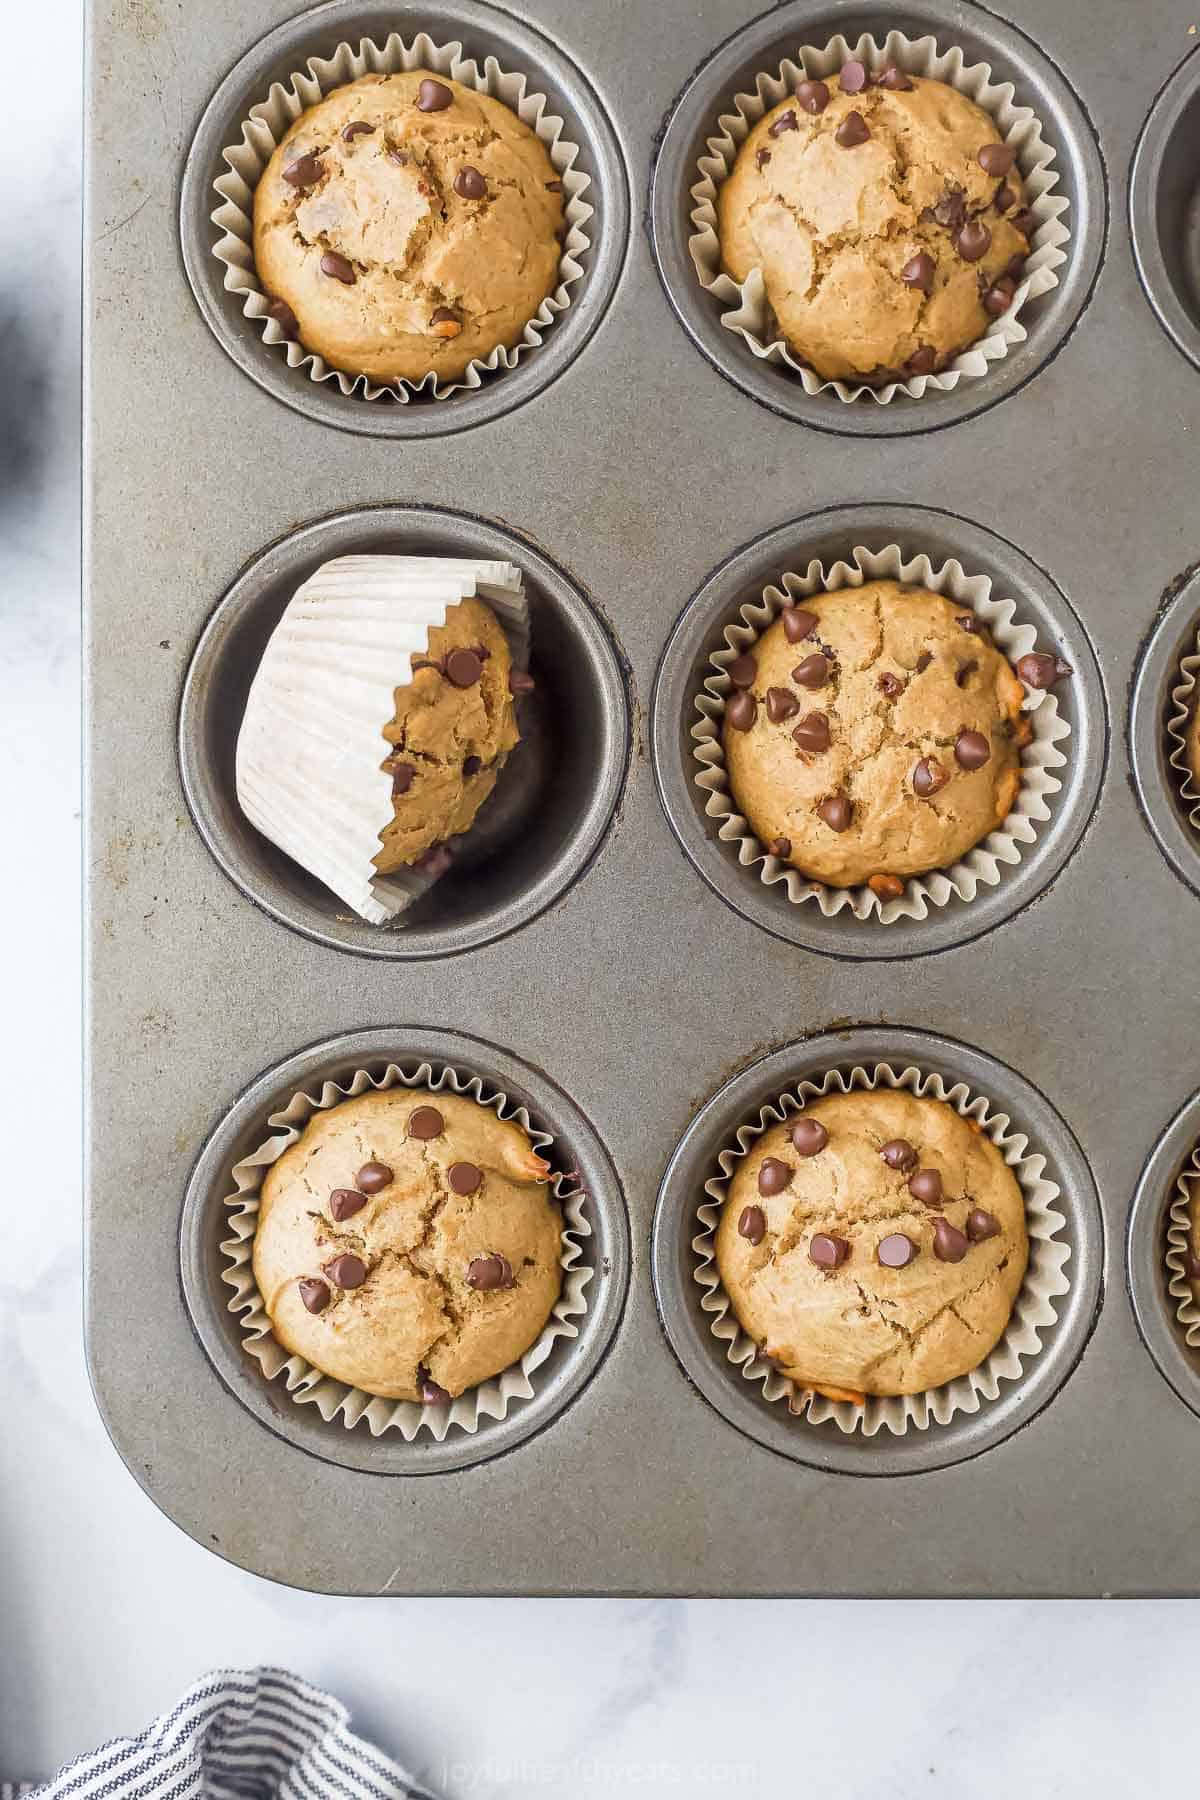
{"type": "Point", "coordinates": [107, 1611]}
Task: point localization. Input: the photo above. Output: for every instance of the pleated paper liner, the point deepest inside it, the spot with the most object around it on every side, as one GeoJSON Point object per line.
{"type": "Point", "coordinates": [1041, 760]}
{"type": "Point", "coordinates": [311, 741]}
{"type": "Point", "coordinates": [1180, 1285]}
{"type": "Point", "coordinates": [1033, 1312]}
{"type": "Point", "coordinates": [745, 308]}
{"type": "Point", "coordinates": [306, 1385]}
{"type": "Point", "coordinates": [272, 118]}
{"type": "Point", "coordinates": [1184, 701]}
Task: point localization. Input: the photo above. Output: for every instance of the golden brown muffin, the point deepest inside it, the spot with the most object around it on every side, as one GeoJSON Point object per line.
{"type": "Point", "coordinates": [874, 1244]}
{"type": "Point", "coordinates": [407, 1243]}
{"type": "Point", "coordinates": [1193, 743]}
{"type": "Point", "coordinates": [408, 225]}
{"type": "Point", "coordinates": [453, 728]}
{"type": "Point", "coordinates": [889, 223]}
{"type": "Point", "coordinates": [873, 733]}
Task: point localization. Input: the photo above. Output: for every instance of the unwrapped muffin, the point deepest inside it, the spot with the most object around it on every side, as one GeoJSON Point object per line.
{"type": "Point", "coordinates": [875, 1243]}
{"type": "Point", "coordinates": [406, 226]}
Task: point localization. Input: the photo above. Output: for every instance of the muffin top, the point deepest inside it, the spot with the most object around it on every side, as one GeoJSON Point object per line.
{"type": "Point", "coordinates": [873, 1244]}
{"type": "Point", "coordinates": [409, 225]}
{"type": "Point", "coordinates": [453, 727]}
{"type": "Point", "coordinates": [407, 1243]}
{"type": "Point", "coordinates": [889, 222]}
{"type": "Point", "coordinates": [873, 733]}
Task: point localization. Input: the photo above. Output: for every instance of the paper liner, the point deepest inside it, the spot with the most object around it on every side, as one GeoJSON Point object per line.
{"type": "Point", "coordinates": [311, 741]}
{"type": "Point", "coordinates": [1033, 1311]}
{"type": "Point", "coordinates": [1179, 1236]}
{"type": "Point", "coordinates": [745, 308]}
{"type": "Point", "coordinates": [982, 865]}
{"type": "Point", "coordinates": [271, 119]}
{"type": "Point", "coordinates": [1184, 700]}
{"type": "Point", "coordinates": [307, 1385]}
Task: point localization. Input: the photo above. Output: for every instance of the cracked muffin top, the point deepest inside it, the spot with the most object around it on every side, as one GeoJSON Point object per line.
{"type": "Point", "coordinates": [406, 225]}
{"type": "Point", "coordinates": [873, 733]}
{"type": "Point", "coordinates": [454, 725]}
{"type": "Point", "coordinates": [888, 219]}
{"type": "Point", "coordinates": [408, 1244]}
{"type": "Point", "coordinates": [873, 1244]}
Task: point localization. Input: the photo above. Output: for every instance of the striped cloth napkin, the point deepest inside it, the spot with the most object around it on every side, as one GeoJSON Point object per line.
{"type": "Point", "coordinates": [238, 1734]}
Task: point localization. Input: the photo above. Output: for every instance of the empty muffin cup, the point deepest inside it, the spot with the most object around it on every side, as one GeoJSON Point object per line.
{"type": "Point", "coordinates": [1164, 207]}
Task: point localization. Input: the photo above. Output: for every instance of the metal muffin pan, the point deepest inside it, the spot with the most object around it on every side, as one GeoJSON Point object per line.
{"type": "Point", "coordinates": [1156, 782]}
{"type": "Point", "coordinates": [1164, 207]}
{"type": "Point", "coordinates": [629, 995]}
{"type": "Point", "coordinates": [1146, 1268]}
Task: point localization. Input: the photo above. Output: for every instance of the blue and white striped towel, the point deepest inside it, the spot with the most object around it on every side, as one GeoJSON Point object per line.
{"type": "Point", "coordinates": [238, 1734]}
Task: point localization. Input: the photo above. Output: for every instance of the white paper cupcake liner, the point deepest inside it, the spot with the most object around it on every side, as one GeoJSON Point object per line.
{"type": "Point", "coordinates": [307, 1385]}
{"type": "Point", "coordinates": [745, 308]}
{"type": "Point", "coordinates": [981, 866]}
{"type": "Point", "coordinates": [1179, 1236]}
{"type": "Point", "coordinates": [1033, 1312]}
{"type": "Point", "coordinates": [268, 124]}
{"type": "Point", "coordinates": [311, 742]}
{"type": "Point", "coordinates": [1184, 700]}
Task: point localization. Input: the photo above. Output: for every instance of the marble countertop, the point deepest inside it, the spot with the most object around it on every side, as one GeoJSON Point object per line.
{"type": "Point", "coordinates": [107, 1611]}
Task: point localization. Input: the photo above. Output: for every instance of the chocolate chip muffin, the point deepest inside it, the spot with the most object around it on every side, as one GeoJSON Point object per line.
{"type": "Point", "coordinates": [1193, 743]}
{"type": "Point", "coordinates": [452, 730]}
{"type": "Point", "coordinates": [408, 1245]}
{"type": "Point", "coordinates": [887, 217]}
{"type": "Point", "coordinates": [407, 225]}
{"type": "Point", "coordinates": [874, 1244]}
{"type": "Point", "coordinates": [873, 733]}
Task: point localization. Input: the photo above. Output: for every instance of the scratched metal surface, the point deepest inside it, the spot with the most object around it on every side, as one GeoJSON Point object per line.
{"type": "Point", "coordinates": [638, 469]}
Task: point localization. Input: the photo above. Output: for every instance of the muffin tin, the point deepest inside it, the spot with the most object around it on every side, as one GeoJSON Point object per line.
{"type": "Point", "coordinates": [599, 956]}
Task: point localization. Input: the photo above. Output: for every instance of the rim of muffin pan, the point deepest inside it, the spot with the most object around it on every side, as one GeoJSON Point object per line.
{"type": "Point", "coordinates": [1164, 207]}
{"type": "Point", "coordinates": [703, 1357]}
{"type": "Point", "coordinates": [828, 536]}
{"type": "Point", "coordinates": [761, 46]}
{"type": "Point", "coordinates": [1146, 1272]}
{"type": "Point", "coordinates": [204, 1223]}
{"type": "Point", "coordinates": [483, 31]}
{"type": "Point", "coordinates": [535, 836]}
{"type": "Point", "coordinates": [1156, 784]}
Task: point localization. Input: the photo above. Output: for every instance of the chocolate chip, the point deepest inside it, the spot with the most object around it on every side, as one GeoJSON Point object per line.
{"type": "Point", "coordinates": [402, 778]}
{"type": "Point", "coordinates": [890, 684]}
{"type": "Point", "coordinates": [338, 267]}
{"type": "Point", "coordinates": [971, 750]}
{"type": "Point", "coordinates": [472, 765]}
{"type": "Point", "coordinates": [520, 683]}
{"type": "Point", "coordinates": [372, 1177]}
{"type": "Point", "coordinates": [919, 271]}
{"type": "Point", "coordinates": [356, 128]}
{"type": "Point", "coordinates": [742, 671]}
{"type": "Point", "coordinates": [965, 672]}
{"type": "Point", "coordinates": [853, 77]}
{"type": "Point", "coordinates": [1023, 222]}
{"type": "Point", "coordinates": [973, 241]}
{"type": "Point", "coordinates": [929, 777]}
{"type": "Point", "coordinates": [435, 861]}
{"type": "Point", "coordinates": [464, 1178]}
{"type": "Point", "coordinates": [347, 1271]}
{"type": "Point", "coordinates": [926, 1186]}
{"type": "Point", "coordinates": [895, 1251]}
{"type": "Point", "coordinates": [923, 661]}
{"type": "Point", "coordinates": [426, 1122]}
{"type": "Point", "coordinates": [554, 187]}
{"type": "Point", "coordinates": [888, 887]}
{"type": "Point", "coordinates": [996, 159]}
{"type": "Point", "coordinates": [1191, 1266]}
{"type": "Point", "coordinates": [809, 1137]}
{"type": "Point", "coordinates": [813, 96]}
{"type": "Point", "coordinates": [433, 96]}
{"type": "Point", "coordinates": [487, 1273]}
{"type": "Point", "coordinates": [852, 131]}
{"type": "Point", "coordinates": [898, 1153]}
{"type": "Point", "coordinates": [998, 298]}
{"type": "Point", "coordinates": [895, 79]}
{"type": "Point", "coordinates": [469, 184]}
{"type": "Point", "coordinates": [951, 209]}
{"type": "Point", "coordinates": [1016, 268]}
{"type": "Point", "coordinates": [742, 711]}
{"type": "Point", "coordinates": [781, 705]}
{"type": "Point", "coordinates": [761, 158]}
{"type": "Point", "coordinates": [981, 1225]}
{"type": "Point", "coordinates": [400, 158]}
{"type": "Point", "coordinates": [836, 811]}
{"type": "Point", "coordinates": [304, 171]}
{"type": "Point", "coordinates": [285, 318]}
{"type": "Point", "coordinates": [773, 1176]}
{"type": "Point", "coordinates": [315, 1294]}
{"type": "Point", "coordinates": [431, 1393]}
{"type": "Point", "coordinates": [813, 672]}
{"type": "Point", "coordinates": [464, 667]}
{"type": "Point", "coordinates": [785, 122]}
{"type": "Point", "coordinates": [345, 1202]}
{"type": "Point", "coordinates": [798, 624]}
{"type": "Point", "coordinates": [921, 361]}
{"type": "Point", "coordinates": [752, 1225]}
{"type": "Point", "coordinates": [1005, 197]}
{"type": "Point", "coordinates": [1038, 670]}
{"type": "Point", "coordinates": [812, 733]}
{"type": "Point", "coordinates": [444, 323]}
{"type": "Point", "coordinates": [780, 846]}
{"type": "Point", "coordinates": [827, 1252]}
{"type": "Point", "coordinates": [949, 1243]}
{"type": "Point", "coordinates": [968, 622]}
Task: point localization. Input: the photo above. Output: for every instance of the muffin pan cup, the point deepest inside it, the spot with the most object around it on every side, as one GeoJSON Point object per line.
{"type": "Point", "coordinates": [1164, 207]}
{"type": "Point", "coordinates": [1164, 1307]}
{"type": "Point", "coordinates": [1161, 696]}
